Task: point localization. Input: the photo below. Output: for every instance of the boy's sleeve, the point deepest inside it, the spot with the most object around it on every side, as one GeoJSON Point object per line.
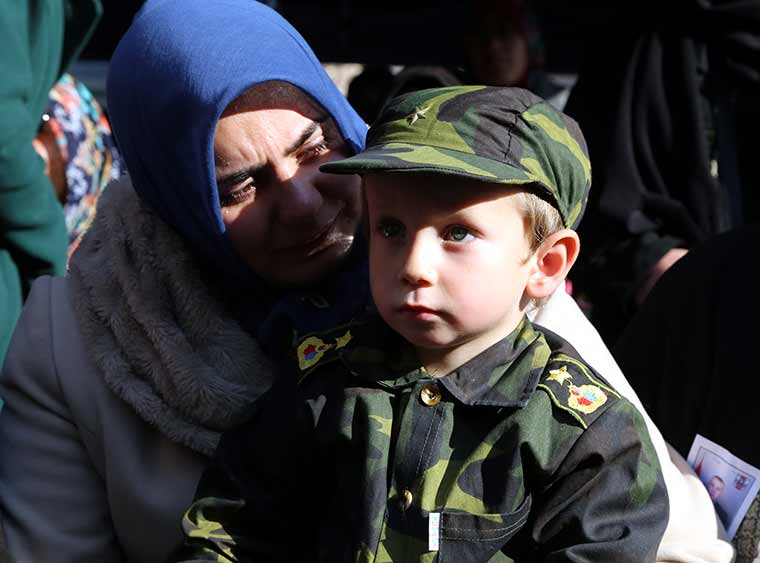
{"type": "Point", "coordinates": [259, 498]}
{"type": "Point", "coordinates": [608, 502]}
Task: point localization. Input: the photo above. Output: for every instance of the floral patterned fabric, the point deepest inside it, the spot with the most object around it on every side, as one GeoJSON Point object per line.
{"type": "Point", "coordinates": [83, 135]}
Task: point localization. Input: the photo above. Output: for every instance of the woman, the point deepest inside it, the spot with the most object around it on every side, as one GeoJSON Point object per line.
{"type": "Point", "coordinates": [122, 375]}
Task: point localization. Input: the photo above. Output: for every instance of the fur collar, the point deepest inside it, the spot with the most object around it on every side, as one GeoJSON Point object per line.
{"type": "Point", "coordinates": [157, 328]}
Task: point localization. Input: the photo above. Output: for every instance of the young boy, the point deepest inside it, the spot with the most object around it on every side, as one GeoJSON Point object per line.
{"type": "Point", "coordinates": [478, 436]}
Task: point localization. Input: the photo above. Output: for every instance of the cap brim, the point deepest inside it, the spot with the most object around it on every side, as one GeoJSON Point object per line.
{"type": "Point", "coordinates": [405, 157]}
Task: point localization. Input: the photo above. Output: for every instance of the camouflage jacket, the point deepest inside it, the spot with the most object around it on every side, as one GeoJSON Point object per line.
{"type": "Point", "coordinates": [522, 454]}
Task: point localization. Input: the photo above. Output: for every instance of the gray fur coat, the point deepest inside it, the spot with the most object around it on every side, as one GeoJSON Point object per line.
{"type": "Point", "coordinates": [157, 329]}
{"type": "Point", "coordinates": [118, 382]}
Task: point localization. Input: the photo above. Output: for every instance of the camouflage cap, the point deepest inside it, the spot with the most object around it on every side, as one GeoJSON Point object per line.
{"type": "Point", "coordinates": [496, 135]}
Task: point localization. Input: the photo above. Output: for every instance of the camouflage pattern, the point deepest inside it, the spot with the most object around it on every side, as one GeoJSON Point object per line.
{"type": "Point", "coordinates": [524, 452]}
{"type": "Point", "coordinates": [498, 135]}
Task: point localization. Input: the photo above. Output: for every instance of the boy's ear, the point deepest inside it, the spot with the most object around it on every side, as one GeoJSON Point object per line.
{"type": "Point", "coordinates": [553, 261]}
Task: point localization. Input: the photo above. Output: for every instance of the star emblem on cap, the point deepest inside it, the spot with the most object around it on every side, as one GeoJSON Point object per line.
{"type": "Point", "coordinates": [418, 113]}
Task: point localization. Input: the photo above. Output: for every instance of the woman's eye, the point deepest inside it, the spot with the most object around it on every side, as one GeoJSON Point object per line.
{"type": "Point", "coordinates": [458, 234]}
{"type": "Point", "coordinates": [238, 194]}
{"type": "Point", "coordinates": [390, 229]}
{"type": "Point", "coordinates": [314, 150]}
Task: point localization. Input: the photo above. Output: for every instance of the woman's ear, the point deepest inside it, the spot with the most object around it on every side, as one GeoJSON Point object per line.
{"type": "Point", "coordinates": [553, 261]}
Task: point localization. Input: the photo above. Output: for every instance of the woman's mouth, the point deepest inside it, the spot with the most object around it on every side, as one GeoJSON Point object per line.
{"type": "Point", "coordinates": [317, 241]}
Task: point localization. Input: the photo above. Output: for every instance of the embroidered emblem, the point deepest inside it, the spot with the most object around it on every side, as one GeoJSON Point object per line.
{"type": "Point", "coordinates": [311, 350]}
{"type": "Point", "coordinates": [586, 398]}
{"type": "Point", "coordinates": [559, 375]}
{"type": "Point", "coordinates": [418, 113]}
{"type": "Point", "coordinates": [342, 341]}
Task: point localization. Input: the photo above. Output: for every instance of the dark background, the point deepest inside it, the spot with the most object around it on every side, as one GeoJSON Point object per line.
{"type": "Point", "coordinates": [394, 31]}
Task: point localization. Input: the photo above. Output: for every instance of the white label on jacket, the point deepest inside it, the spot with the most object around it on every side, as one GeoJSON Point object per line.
{"type": "Point", "coordinates": [434, 531]}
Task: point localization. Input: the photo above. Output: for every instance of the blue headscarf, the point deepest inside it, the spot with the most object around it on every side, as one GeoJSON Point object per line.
{"type": "Point", "coordinates": [174, 72]}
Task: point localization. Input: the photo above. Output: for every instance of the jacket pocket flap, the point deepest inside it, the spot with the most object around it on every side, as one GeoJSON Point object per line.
{"type": "Point", "coordinates": [483, 527]}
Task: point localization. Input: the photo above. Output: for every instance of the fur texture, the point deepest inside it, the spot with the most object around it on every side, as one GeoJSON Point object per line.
{"type": "Point", "coordinates": [158, 329]}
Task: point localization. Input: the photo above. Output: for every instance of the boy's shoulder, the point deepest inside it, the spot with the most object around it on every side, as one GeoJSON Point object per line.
{"type": "Point", "coordinates": [572, 385]}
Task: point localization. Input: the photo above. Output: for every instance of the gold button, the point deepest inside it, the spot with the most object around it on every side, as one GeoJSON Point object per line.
{"type": "Point", "coordinates": [430, 395]}
{"type": "Point", "coordinates": [405, 501]}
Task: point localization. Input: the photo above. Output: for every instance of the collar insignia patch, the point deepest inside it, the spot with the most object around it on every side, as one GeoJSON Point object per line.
{"type": "Point", "coordinates": [312, 349]}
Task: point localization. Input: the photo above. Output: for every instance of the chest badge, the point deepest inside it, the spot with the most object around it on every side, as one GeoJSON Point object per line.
{"type": "Point", "coordinates": [312, 349]}
{"type": "Point", "coordinates": [586, 398]}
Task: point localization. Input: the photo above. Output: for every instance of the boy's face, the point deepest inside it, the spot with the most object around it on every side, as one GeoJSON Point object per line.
{"type": "Point", "coordinates": [448, 260]}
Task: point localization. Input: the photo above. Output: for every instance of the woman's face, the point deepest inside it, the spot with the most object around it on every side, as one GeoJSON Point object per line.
{"type": "Point", "coordinates": [290, 222]}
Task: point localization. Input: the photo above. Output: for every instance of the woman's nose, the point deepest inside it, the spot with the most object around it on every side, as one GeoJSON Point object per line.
{"type": "Point", "coordinates": [299, 199]}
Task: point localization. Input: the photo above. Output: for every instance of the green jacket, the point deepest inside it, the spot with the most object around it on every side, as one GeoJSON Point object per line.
{"type": "Point", "coordinates": [38, 39]}
{"type": "Point", "coordinates": [522, 454]}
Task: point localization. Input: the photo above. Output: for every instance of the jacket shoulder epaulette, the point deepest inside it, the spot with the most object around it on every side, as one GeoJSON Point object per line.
{"type": "Point", "coordinates": [575, 388]}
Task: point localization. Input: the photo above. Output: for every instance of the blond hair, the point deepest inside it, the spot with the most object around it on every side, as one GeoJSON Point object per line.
{"type": "Point", "coordinates": [541, 218]}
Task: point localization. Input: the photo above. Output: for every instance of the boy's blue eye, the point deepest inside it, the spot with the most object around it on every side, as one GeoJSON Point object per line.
{"type": "Point", "coordinates": [457, 233]}
{"type": "Point", "coordinates": [390, 229]}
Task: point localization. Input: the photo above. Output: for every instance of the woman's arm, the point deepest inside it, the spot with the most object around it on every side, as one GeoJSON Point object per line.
{"type": "Point", "coordinates": [52, 497]}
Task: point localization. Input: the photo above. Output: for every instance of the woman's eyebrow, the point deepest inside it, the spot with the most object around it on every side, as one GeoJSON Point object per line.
{"type": "Point", "coordinates": [306, 134]}
{"type": "Point", "coordinates": [248, 171]}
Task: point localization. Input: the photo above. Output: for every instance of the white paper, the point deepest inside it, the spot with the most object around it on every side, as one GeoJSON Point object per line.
{"type": "Point", "coordinates": [731, 483]}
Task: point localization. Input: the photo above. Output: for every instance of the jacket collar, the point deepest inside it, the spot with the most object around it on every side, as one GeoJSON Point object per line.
{"type": "Point", "coordinates": [504, 375]}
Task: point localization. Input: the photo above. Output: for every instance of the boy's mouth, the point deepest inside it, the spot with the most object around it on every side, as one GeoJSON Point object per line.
{"type": "Point", "coordinates": [419, 311]}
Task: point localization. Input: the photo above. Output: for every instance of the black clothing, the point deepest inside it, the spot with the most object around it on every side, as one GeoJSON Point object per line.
{"type": "Point", "coordinates": [658, 107]}
{"type": "Point", "coordinates": [689, 354]}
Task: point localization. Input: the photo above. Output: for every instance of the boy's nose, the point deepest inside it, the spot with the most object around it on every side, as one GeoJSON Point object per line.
{"type": "Point", "coordinates": [418, 268]}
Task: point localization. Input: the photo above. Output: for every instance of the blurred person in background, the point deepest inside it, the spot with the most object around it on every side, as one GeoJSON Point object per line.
{"type": "Point", "coordinates": [503, 47]}
{"type": "Point", "coordinates": [698, 327]}
{"type": "Point", "coordinates": [669, 109]}
{"type": "Point", "coordinates": [38, 40]}
{"type": "Point", "coordinates": [79, 151]}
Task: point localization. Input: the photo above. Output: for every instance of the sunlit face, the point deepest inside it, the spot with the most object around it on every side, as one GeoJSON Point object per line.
{"type": "Point", "coordinates": [448, 261]}
{"type": "Point", "coordinates": [290, 222]}
{"type": "Point", "coordinates": [715, 487]}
